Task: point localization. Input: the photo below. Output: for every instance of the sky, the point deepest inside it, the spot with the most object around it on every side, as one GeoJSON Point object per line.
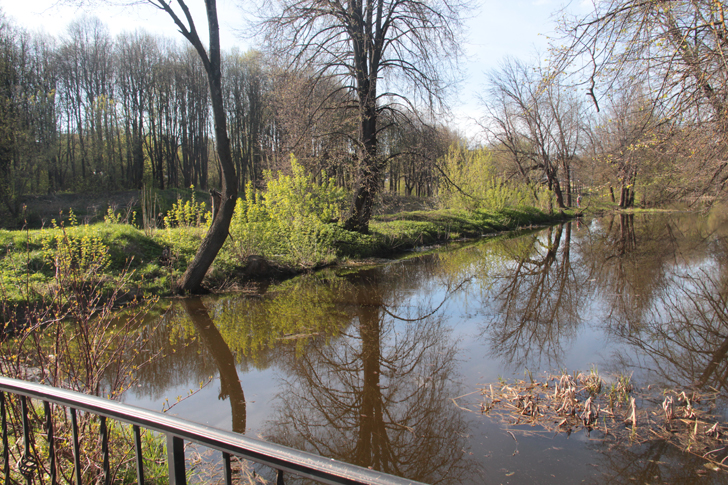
{"type": "Point", "coordinates": [494, 30]}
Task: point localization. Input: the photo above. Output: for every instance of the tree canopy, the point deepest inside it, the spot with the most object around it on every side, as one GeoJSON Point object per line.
{"type": "Point", "coordinates": [386, 54]}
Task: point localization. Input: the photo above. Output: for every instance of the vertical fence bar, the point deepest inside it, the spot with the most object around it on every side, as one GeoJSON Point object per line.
{"type": "Point", "coordinates": [6, 451]}
{"type": "Point", "coordinates": [228, 469]}
{"type": "Point", "coordinates": [26, 426]}
{"type": "Point", "coordinates": [279, 478]}
{"type": "Point", "coordinates": [51, 442]}
{"type": "Point", "coordinates": [176, 460]}
{"type": "Point", "coordinates": [139, 458]}
{"type": "Point", "coordinates": [76, 450]}
{"type": "Point", "coordinates": [25, 462]}
{"type": "Point", "coordinates": [105, 449]}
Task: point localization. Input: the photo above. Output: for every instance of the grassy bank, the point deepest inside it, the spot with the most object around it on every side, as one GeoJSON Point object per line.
{"type": "Point", "coordinates": [152, 260]}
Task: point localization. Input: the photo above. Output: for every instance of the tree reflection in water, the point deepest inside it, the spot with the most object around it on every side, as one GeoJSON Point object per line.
{"type": "Point", "coordinates": [663, 285]}
{"type": "Point", "coordinates": [533, 308]}
{"type": "Point", "coordinates": [548, 285]}
{"type": "Point", "coordinates": [684, 341]}
{"type": "Point", "coordinates": [369, 358]}
{"type": "Point", "coordinates": [230, 387]}
{"type": "Point", "coordinates": [681, 344]}
{"type": "Point", "coordinates": [366, 381]}
{"type": "Point", "coordinates": [379, 395]}
{"type": "Point", "coordinates": [655, 461]}
{"type": "Point", "coordinates": [668, 287]}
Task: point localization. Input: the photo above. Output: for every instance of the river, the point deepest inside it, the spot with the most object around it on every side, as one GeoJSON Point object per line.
{"type": "Point", "coordinates": [380, 365]}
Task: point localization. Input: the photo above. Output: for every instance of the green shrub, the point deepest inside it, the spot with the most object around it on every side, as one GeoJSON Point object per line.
{"type": "Point", "coordinates": [471, 184]}
{"type": "Point", "coordinates": [189, 213]}
{"type": "Point", "coordinates": [113, 216]}
{"type": "Point", "coordinates": [81, 255]}
{"type": "Point", "coordinates": [73, 336]}
{"type": "Point", "coordinates": [291, 221]}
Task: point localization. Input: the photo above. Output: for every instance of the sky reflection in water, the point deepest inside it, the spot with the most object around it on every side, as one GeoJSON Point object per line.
{"type": "Point", "coordinates": [363, 364]}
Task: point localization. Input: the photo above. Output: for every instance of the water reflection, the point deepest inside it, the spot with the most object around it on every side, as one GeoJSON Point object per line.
{"type": "Point", "coordinates": [185, 357]}
{"type": "Point", "coordinates": [230, 387]}
{"type": "Point", "coordinates": [231, 335]}
{"type": "Point", "coordinates": [540, 290]}
{"type": "Point", "coordinates": [362, 365]}
{"type": "Point", "coordinates": [655, 461]}
{"type": "Point", "coordinates": [533, 309]}
{"type": "Point", "coordinates": [683, 342]}
{"type": "Point", "coordinates": [665, 296]}
{"type": "Point", "coordinates": [379, 395]}
{"type": "Point", "coordinates": [367, 372]}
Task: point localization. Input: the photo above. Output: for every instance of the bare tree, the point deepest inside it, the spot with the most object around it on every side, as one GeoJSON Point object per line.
{"type": "Point", "coordinates": [135, 57]}
{"type": "Point", "coordinates": [246, 90]}
{"type": "Point", "coordinates": [624, 147]}
{"type": "Point", "coordinates": [211, 59]}
{"type": "Point", "coordinates": [308, 121]}
{"type": "Point", "coordinates": [405, 45]}
{"type": "Point", "coordinates": [86, 65]}
{"type": "Point", "coordinates": [677, 51]}
{"type": "Point", "coordinates": [537, 123]}
{"type": "Point", "coordinates": [413, 148]}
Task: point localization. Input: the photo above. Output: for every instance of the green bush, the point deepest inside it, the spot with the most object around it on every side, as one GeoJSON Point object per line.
{"type": "Point", "coordinates": [291, 221]}
{"type": "Point", "coordinates": [80, 255]}
{"type": "Point", "coordinates": [471, 184]}
{"type": "Point", "coordinates": [72, 335]}
{"type": "Point", "coordinates": [189, 213]}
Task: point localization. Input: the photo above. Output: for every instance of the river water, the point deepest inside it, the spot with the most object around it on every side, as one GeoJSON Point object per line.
{"type": "Point", "coordinates": [380, 365]}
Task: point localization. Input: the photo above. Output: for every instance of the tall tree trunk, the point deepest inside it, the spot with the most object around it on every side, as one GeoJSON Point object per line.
{"type": "Point", "coordinates": [624, 197]}
{"type": "Point", "coordinates": [191, 281]}
{"type": "Point", "coordinates": [369, 170]}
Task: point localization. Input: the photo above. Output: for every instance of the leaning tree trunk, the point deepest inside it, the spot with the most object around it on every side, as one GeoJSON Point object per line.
{"type": "Point", "coordinates": [191, 281]}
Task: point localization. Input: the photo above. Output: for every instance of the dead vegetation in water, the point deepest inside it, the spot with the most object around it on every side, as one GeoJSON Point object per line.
{"type": "Point", "coordinates": [616, 411]}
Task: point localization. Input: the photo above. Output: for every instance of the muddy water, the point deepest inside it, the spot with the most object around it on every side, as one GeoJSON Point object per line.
{"type": "Point", "coordinates": [378, 365]}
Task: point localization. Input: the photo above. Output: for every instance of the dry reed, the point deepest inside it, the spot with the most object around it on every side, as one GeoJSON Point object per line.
{"type": "Point", "coordinates": [617, 411]}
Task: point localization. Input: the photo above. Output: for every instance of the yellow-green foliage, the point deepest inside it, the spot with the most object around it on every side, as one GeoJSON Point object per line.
{"type": "Point", "coordinates": [32, 261]}
{"type": "Point", "coordinates": [73, 337]}
{"type": "Point", "coordinates": [81, 254]}
{"type": "Point", "coordinates": [299, 313]}
{"type": "Point", "coordinates": [472, 185]}
{"type": "Point", "coordinates": [290, 220]}
{"type": "Point", "coordinates": [189, 213]}
{"type": "Point", "coordinates": [119, 217]}
{"type": "Point", "coordinates": [112, 217]}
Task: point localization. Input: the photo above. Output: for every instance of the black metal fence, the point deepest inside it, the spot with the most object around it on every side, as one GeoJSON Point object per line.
{"type": "Point", "coordinates": [280, 458]}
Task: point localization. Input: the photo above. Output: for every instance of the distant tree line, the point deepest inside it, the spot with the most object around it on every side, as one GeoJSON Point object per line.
{"type": "Point", "coordinates": [632, 103]}
{"type": "Point", "coordinates": [89, 112]}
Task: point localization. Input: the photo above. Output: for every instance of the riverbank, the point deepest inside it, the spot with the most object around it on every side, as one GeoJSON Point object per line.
{"type": "Point", "coordinates": [110, 254]}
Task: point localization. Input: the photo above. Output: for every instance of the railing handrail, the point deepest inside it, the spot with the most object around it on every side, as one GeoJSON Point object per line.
{"type": "Point", "coordinates": [279, 457]}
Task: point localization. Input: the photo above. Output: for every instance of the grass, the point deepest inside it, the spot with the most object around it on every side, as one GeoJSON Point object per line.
{"type": "Point", "coordinates": [28, 265]}
{"type": "Point", "coordinates": [156, 259]}
{"type": "Point", "coordinates": [394, 233]}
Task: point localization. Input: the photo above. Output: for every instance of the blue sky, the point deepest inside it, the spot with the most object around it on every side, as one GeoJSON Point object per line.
{"type": "Point", "coordinates": [497, 28]}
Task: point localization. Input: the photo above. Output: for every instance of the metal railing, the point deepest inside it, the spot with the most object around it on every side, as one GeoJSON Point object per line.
{"type": "Point", "coordinates": [280, 458]}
